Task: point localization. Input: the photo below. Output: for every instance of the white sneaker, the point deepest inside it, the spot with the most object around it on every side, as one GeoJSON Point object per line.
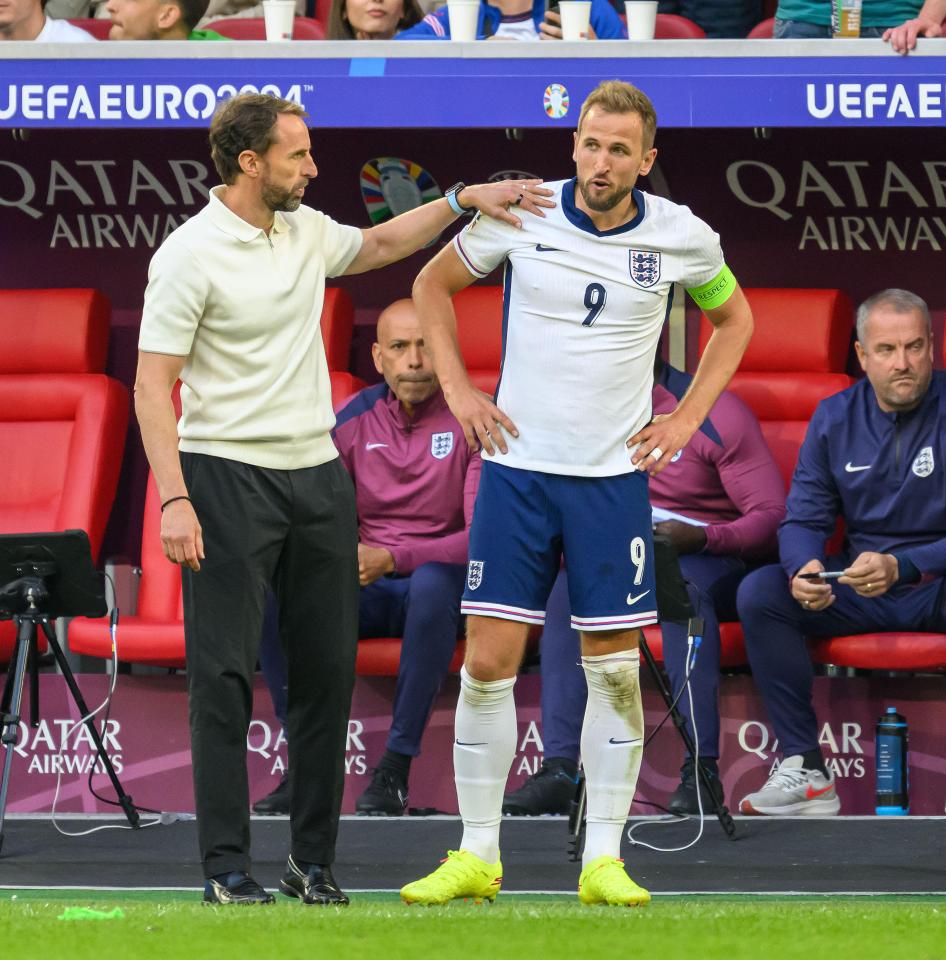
{"type": "Point", "coordinates": [793, 791]}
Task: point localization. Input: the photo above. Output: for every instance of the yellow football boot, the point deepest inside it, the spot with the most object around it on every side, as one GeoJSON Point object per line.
{"type": "Point", "coordinates": [605, 881]}
{"type": "Point", "coordinates": [461, 875]}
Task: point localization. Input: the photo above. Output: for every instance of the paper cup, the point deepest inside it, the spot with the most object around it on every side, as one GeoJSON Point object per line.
{"type": "Point", "coordinates": [464, 16]}
{"type": "Point", "coordinates": [278, 16]}
{"type": "Point", "coordinates": [576, 15]}
{"type": "Point", "coordinates": [641, 19]}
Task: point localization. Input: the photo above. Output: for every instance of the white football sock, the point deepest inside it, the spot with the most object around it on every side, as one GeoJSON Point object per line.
{"type": "Point", "coordinates": [483, 751]}
{"type": "Point", "coordinates": [612, 746]}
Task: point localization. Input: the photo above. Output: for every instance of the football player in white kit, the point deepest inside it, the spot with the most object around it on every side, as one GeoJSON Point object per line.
{"type": "Point", "coordinates": [568, 445]}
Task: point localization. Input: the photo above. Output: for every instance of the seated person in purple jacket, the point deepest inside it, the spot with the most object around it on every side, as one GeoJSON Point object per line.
{"type": "Point", "coordinates": [874, 455]}
{"type": "Point", "coordinates": [518, 20]}
{"type": "Point", "coordinates": [726, 480]}
{"type": "Point", "coordinates": [415, 482]}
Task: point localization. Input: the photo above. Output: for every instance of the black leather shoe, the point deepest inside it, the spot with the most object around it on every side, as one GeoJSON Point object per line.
{"type": "Point", "coordinates": [239, 887]}
{"type": "Point", "coordinates": [276, 803]}
{"type": "Point", "coordinates": [385, 796]}
{"type": "Point", "coordinates": [683, 801]}
{"type": "Point", "coordinates": [314, 886]}
{"type": "Point", "coordinates": [550, 791]}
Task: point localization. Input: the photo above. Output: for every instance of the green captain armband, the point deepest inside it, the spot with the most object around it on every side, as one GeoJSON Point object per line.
{"type": "Point", "coordinates": [716, 292]}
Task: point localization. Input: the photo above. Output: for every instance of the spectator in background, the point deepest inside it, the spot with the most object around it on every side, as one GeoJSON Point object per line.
{"type": "Point", "coordinates": [371, 19]}
{"type": "Point", "coordinates": [719, 18]}
{"type": "Point", "coordinates": [27, 20]}
{"type": "Point", "coordinates": [874, 456]}
{"type": "Point", "coordinates": [158, 20]}
{"type": "Point", "coordinates": [726, 479]}
{"type": "Point", "coordinates": [811, 19]}
{"type": "Point", "coordinates": [927, 23]}
{"type": "Point", "coordinates": [415, 482]}
{"type": "Point", "coordinates": [518, 20]}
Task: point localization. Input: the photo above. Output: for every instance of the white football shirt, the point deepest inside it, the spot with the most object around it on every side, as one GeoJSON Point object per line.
{"type": "Point", "coordinates": [582, 314]}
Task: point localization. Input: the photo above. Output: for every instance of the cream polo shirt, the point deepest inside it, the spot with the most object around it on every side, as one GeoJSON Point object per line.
{"type": "Point", "coordinates": [244, 309]}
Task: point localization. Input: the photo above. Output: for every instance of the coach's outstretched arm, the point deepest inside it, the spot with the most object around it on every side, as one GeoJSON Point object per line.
{"type": "Point", "coordinates": [411, 231]}
{"type": "Point", "coordinates": [669, 433]}
{"type": "Point", "coordinates": [482, 421]}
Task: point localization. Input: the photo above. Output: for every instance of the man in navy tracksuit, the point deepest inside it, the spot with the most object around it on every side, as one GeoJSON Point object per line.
{"type": "Point", "coordinates": [874, 455]}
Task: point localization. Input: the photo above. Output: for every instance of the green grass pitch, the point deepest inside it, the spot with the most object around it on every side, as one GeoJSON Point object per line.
{"type": "Point", "coordinates": [171, 925]}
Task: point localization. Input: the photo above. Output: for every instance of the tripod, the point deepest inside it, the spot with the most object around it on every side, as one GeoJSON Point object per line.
{"type": "Point", "coordinates": [673, 604]}
{"type": "Point", "coordinates": [39, 592]}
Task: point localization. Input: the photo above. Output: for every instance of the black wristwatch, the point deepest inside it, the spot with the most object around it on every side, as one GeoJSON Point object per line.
{"type": "Point", "coordinates": [451, 198]}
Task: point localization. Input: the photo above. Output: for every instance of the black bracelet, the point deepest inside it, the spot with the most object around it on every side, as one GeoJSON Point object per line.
{"type": "Point", "coordinates": [181, 497]}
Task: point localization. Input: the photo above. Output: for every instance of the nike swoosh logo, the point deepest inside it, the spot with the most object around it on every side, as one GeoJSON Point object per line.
{"type": "Point", "coordinates": [461, 743]}
{"type": "Point", "coordinates": [374, 446]}
{"type": "Point", "coordinates": [850, 468]}
{"type": "Point", "coordinates": [811, 793]}
{"type": "Point", "coordinates": [632, 600]}
{"type": "Point", "coordinates": [542, 248]}
{"type": "Point", "coordinates": [616, 742]}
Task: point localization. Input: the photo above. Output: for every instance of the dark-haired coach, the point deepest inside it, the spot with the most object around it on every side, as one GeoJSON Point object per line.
{"type": "Point", "coordinates": [251, 487]}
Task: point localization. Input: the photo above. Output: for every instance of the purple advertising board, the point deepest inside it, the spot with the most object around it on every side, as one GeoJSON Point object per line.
{"type": "Point", "coordinates": [417, 84]}
{"type": "Point", "coordinates": [147, 737]}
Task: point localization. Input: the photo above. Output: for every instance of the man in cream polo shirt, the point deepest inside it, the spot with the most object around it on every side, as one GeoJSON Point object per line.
{"type": "Point", "coordinates": [251, 487]}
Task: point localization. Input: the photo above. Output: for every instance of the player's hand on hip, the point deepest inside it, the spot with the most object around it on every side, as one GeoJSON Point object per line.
{"type": "Point", "coordinates": [872, 574]}
{"type": "Point", "coordinates": [813, 595]}
{"type": "Point", "coordinates": [659, 442]}
{"type": "Point", "coordinates": [482, 421]}
{"type": "Point", "coordinates": [181, 536]}
{"type": "Point", "coordinates": [499, 200]}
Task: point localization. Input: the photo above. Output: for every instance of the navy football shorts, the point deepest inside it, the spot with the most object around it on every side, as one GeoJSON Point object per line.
{"type": "Point", "coordinates": [524, 522]}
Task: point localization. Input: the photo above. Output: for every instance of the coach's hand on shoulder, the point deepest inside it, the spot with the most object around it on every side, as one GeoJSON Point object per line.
{"type": "Point", "coordinates": [812, 594]}
{"type": "Point", "coordinates": [482, 421]}
{"type": "Point", "coordinates": [872, 574]}
{"type": "Point", "coordinates": [498, 200]}
{"type": "Point", "coordinates": [181, 535]}
{"type": "Point", "coordinates": [660, 441]}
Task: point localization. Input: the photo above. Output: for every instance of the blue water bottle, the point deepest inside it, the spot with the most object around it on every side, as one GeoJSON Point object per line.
{"type": "Point", "coordinates": [893, 781]}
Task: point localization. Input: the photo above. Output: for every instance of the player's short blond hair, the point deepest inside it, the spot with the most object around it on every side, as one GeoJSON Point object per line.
{"type": "Point", "coordinates": [616, 96]}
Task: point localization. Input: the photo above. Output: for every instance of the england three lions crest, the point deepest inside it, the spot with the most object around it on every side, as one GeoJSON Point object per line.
{"type": "Point", "coordinates": [441, 444]}
{"type": "Point", "coordinates": [645, 267]}
{"type": "Point", "coordinates": [474, 574]}
{"type": "Point", "coordinates": [923, 465]}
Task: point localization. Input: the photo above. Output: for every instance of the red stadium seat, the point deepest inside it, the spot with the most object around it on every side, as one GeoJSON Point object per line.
{"type": "Point", "coordinates": [343, 386]}
{"type": "Point", "coordinates": [479, 313]}
{"type": "Point", "coordinates": [154, 634]}
{"type": "Point", "coordinates": [763, 30]}
{"type": "Point", "coordinates": [62, 421]}
{"type": "Point", "coordinates": [338, 318]}
{"type": "Point", "coordinates": [794, 360]}
{"type": "Point", "coordinates": [254, 28]}
{"type": "Point", "coordinates": [670, 26]}
{"type": "Point", "coordinates": [98, 27]}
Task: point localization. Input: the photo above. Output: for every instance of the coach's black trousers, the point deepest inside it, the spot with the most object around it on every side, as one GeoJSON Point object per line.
{"type": "Point", "coordinates": [297, 530]}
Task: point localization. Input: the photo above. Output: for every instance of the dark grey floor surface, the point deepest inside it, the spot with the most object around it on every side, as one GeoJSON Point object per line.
{"type": "Point", "coordinates": [857, 855]}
